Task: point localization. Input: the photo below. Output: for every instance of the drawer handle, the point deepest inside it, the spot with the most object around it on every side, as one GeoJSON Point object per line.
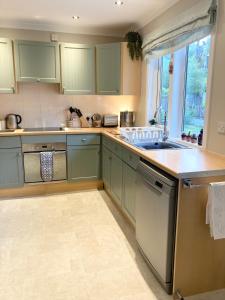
{"type": "Point", "coordinates": [83, 140]}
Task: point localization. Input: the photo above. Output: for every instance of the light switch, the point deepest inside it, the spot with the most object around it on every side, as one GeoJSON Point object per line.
{"type": "Point", "coordinates": [221, 127]}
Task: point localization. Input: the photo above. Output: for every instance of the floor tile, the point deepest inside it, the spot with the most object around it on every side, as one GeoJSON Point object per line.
{"type": "Point", "coordinates": [73, 246]}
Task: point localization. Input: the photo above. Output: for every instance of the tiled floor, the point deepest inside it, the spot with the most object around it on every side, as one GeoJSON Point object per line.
{"type": "Point", "coordinates": [72, 247]}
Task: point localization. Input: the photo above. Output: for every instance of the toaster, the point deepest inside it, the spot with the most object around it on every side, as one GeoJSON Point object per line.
{"type": "Point", "coordinates": [110, 120]}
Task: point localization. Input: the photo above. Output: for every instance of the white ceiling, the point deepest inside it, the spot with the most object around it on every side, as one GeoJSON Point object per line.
{"type": "Point", "coordinates": [96, 16]}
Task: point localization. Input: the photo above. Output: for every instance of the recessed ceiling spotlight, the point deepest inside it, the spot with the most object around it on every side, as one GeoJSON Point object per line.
{"type": "Point", "coordinates": [76, 17]}
{"type": "Point", "coordinates": [119, 3]}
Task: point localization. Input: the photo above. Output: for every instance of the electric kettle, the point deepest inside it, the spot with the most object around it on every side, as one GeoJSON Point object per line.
{"type": "Point", "coordinates": [12, 121]}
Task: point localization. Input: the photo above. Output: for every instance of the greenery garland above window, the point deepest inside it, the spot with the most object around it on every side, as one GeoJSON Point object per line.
{"type": "Point", "coordinates": [134, 44]}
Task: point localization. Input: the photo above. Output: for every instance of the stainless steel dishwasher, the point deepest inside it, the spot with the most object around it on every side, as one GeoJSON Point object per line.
{"type": "Point", "coordinates": [155, 221]}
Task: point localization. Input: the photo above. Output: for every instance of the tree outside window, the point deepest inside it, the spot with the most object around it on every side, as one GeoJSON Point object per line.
{"type": "Point", "coordinates": [196, 85]}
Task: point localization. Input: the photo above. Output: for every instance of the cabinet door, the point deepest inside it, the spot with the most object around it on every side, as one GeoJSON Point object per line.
{"type": "Point", "coordinates": [7, 80]}
{"type": "Point", "coordinates": [108, 59]}
{"type": "Point", "coordinates": [129, 190]}
{"type": "Point", "coordinates": [78, 69]}
{"type": "Point", "coordinates": [83, 162]}
{"type": "Point", "coordinates": [11, 168]}
{"type": "Point", "coordinates": [106, 167]}
{"type": "Point", "coordinates": [37, 61]}
{"type": "Point", "coordinates": [116, 178]}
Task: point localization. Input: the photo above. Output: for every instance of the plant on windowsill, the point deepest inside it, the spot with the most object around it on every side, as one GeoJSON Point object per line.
{"type": "Point", "coordinates": [134, 44]}
{"type": "Point", "coordinates": [154, 121]}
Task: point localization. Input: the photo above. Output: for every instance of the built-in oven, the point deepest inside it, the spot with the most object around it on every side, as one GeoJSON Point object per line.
{"type": "Point", "coordinates": [44, 162]}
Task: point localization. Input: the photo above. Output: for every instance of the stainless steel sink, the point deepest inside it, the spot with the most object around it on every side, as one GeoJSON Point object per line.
{"type": "Point", "coordinates": [160, 145]}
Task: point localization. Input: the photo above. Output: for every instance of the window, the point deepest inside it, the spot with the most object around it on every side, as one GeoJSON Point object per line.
{"type": "Point", "coordinates": [196, 85]}
{"type": "Point", "coordinates": [182, 90]}
{"type": "Point", "coordinates": [164, 87]}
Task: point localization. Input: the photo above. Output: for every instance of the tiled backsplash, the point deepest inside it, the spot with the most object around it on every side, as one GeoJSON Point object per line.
{"type": "Point", "coordinates": [41, 105]}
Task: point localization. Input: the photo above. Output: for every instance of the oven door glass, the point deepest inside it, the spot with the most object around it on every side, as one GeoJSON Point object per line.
{"type": "Point", "coordinates": [32, 166]}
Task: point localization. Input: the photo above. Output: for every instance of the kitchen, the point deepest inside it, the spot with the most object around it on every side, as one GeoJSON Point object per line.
{"type": "Point", "coordinates": [112, 154]}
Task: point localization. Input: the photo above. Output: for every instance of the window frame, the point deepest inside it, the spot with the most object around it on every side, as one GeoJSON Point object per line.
{"type": "Point", "coordinates": [185, 85]}
{"type": "Point", "coordinates": [160, 89]}
{"type": "Point", "coordinates": [182, 94]}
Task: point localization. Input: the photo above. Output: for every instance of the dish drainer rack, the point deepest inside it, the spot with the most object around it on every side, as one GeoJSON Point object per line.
{"type": "Point", "coordinates": [141, 134]}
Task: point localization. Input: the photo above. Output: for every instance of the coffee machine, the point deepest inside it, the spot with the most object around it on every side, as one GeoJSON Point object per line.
{"type": "Point", "coordinates": [126, 119]}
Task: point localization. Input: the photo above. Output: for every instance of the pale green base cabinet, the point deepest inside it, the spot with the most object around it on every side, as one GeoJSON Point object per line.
{"type": "Point", "coordinates": [11, 162]}
{"type": "Point", "coordinates": [83, 157]}
{"type": "Point", "coordinates": [83, 163]}
{"type": "Point", "coordinates": [106, 167]}
{"type": "Point", "coordinates": [129, 190]}
{"type": "Point", "coordinates": [116, 178]}
{"type": "Point", "coordinates": [11, 168]}
{"type": "Point", "coordinates": [119, 175]}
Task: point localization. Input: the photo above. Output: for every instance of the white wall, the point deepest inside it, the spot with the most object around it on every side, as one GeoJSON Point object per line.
{"type": "Point", "coordinates": [36, 35]}
{"type": "Point", "coordinates": [216, 141]}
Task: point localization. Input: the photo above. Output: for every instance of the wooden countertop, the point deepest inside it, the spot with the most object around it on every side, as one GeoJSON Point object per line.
{"type": "Point", "coordinates": [19, 132]}
{"type": "Point", "coordinates": [182, 163]}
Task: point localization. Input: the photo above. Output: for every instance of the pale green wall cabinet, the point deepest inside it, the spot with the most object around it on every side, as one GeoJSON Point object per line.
{"type": "Point", "coordinates": [37, 61]}
{"type": "Point", "coordinates": [108, 69]}
{"type": "Point", "coordinates": [83, 162]}
{"type": "Point", "coordinates": [78, 69]}
{"type": "Point", "coordinates": [7, 78]}
{"type": "Point", "coordinates": [11, 168]}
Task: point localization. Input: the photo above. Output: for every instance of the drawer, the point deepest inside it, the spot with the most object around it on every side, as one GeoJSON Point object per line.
{"type": "Point", "coordinates": [44, 139]}
{"type": "Point", "coordinates": [10, 142]}
{"type": "Point", "coordinates": [107, 142]}
{"type": "Point", "coordinates": [83, 139]}
{"type": "Point", "coordinates": [130, 158]}
{"type": "Point", "coordinates": [112, 146]}
{"type": "Point", "coordinates": [117, 149]}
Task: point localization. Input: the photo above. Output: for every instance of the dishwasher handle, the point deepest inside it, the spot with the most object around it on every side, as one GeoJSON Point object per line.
{"type": "Point", "coordinates": [153, 175]}
{"type": "Point", "coordinates": [157, 186]}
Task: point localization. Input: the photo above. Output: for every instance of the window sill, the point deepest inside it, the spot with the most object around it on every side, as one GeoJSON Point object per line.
{"type": "Point", "coordinates": [189, 144]}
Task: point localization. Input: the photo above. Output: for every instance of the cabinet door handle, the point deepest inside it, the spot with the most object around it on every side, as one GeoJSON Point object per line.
{"type": "Point", "coordinates": [83, 140]}
{"type": "Point", "coordinates": [38, 79]}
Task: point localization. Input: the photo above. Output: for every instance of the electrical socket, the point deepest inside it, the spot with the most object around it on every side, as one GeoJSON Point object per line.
{"type": "Point", "coordinates": [221, 127]}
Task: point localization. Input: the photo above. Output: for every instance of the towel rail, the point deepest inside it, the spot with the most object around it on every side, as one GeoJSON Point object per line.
{"type": "Point", "coordinates": [187, 184]}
